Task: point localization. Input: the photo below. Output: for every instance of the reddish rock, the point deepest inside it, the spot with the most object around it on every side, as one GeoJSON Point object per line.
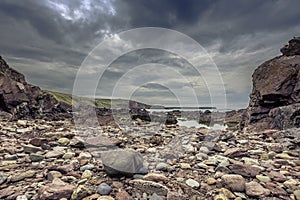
{"type": "Point", "coordinates": [245, 170]}
{"type": "Point", "coordinates": [255, 189]}
{"type": "Point", "coordinates": [123, 195]}
{"type": "Point", "coordinates": [275, 98]}
{"type": "Point", "coordinates": [56, 190]}
{"type": "Point", "coordinates": [21, 99]}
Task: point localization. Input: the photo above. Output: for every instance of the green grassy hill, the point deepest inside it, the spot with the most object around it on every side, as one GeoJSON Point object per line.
{"type": "Point", "coordinates": [99, 103]}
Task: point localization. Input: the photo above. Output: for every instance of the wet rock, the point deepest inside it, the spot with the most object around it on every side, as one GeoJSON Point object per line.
{"type": "Point", "coordinates": [254, 189]}
{"type": "Point", "coordinates": [235, 183]}
{"type": "Point", "coordinates": [122, 162]}
{"type": "Point", "coordinates": [104, 189]}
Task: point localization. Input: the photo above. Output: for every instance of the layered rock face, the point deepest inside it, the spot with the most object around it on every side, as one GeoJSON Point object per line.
{"type": "Point", "coordinates": [275, 98]}
{"type": "Point", "coordinates": [20, 99]}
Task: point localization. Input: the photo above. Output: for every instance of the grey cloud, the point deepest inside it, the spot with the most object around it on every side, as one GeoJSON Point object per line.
{"type": "Point", "coordinates": [47, 40]}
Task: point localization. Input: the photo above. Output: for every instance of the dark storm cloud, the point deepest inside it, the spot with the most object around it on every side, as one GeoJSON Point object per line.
{"type": "Point", "coordinates": [167, 13]}
{"type": "Point", "coordinates": [48, 39]}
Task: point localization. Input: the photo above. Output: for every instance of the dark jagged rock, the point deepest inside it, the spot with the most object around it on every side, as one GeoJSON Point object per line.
{"type": "Point", "coordinates": [293, 48]}
{"type": "Point", "coordinates": [276, 92]}
{"type": "Point", "coordinates": [21, 99]}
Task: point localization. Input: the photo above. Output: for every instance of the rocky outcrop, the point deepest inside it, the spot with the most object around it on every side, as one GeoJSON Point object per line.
{"type": "Point", "coordinates": [275, 97]}
{"type": "Point", "coordinates": [21, 99]}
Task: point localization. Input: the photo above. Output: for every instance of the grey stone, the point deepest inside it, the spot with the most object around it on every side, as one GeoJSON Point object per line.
{"type": "Point", "coordinates": [236, 183]}
{"type": "Point", "coordinates": [104, 189]}
{"type": "Point", "coordinates": [36, 157]}
{"type": "Point", "coordinates": [87, 167]}
{"type": "Point", "coordinates": [192, 183]}
{"type": "Point", "coordinates": [162, 166]}
{"type": "Point", "coordinates": [122, 162]}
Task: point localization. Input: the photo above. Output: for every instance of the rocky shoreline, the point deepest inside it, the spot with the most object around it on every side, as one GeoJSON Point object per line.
{"type": "Point", "coordinates": [48, 152]}
{"type": "Point", "coordinates": [49, 160]}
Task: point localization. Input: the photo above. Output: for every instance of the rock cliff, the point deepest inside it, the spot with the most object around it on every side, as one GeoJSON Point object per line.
{"type": "Point", "coordinates": [275, 97]}
{"type": "Point", "coordinates": [20, 99]}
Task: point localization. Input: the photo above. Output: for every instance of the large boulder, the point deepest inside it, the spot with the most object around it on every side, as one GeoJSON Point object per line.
{"type": "Point", "coordinates": [21, 99]}
{"type": "Point", "coordinates": [275, 97]}
{"type": "Point", "coordinates": [122, 162]}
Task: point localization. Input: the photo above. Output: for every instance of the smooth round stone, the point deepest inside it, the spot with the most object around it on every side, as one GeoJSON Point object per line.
{"type": "Point", "coordinates": [179, 179]}
{"type": "Point", "coordinates": [211, 181]}
{"type": "Point", "coordinates": [192, 183]}
{"type": "Point", "coordinates": [104, 189]}
{"type": "Point", "coordinates": [84, 156]}
{"type": "Point", "coordinates": [63, 141]}
{"type": "Point", "coordinates": [162, 166]}
{"type": "Point", "coordinates": [68, 155]}
{"type": "Point", "coordinates": [87, 167]}
{"type": "Point", "coordinates": [36, 157]}
{"type": "Point", "coordinates": [262, 178]}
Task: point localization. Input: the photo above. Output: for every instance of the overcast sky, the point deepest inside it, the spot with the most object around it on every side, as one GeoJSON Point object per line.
{"type": "Point", "coordinates": [48, 40]}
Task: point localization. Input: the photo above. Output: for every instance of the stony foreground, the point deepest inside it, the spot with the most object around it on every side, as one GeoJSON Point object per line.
{"type": "Point", "coordinates": [49, 160]}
